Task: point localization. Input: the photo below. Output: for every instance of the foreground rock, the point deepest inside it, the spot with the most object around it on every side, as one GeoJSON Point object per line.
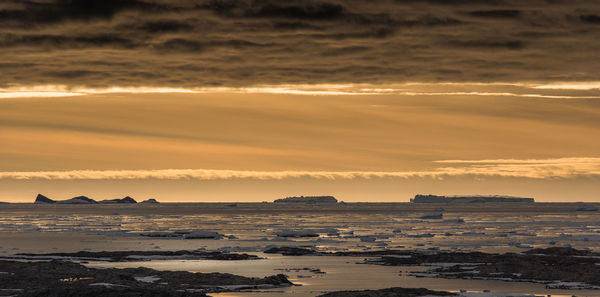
{"type": "Point", "coordinates": [558, 268]}
{"type": "Point", "coordinates": [192, 234]}
{"type": "Point", "coordinates": [390, 292]}
{"type": "Point", "coordinates": [58, 278]}
{"type": "Point", "coordinates": [123, 256]}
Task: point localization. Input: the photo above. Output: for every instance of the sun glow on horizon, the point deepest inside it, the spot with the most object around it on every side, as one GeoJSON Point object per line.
{"type": "Point", "coordinates": [531, 90]}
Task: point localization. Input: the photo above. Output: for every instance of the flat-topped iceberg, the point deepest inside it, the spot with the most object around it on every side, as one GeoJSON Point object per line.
{"type": "Point", "coordinates": [469, 199]}
{"type": "Point", "coordinates": [308, 199]}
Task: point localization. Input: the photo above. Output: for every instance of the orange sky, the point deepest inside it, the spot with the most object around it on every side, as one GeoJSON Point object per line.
{"type": "Point", "coordinates": [393, 145]}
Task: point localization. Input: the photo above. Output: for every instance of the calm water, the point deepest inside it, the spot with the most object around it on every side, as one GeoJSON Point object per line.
{"type": "Point", "coordinates": [252, 227]}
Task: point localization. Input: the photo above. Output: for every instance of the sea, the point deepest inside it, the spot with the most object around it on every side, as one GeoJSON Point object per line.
{"type": "Point", "coordinates": [255, 227]}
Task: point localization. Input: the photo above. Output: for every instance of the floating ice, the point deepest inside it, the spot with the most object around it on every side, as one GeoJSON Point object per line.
{"type": "Point", "coordinates": [147, 279]}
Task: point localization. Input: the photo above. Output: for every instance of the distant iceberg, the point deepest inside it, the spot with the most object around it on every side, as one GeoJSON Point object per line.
{"type": "Point", "coordinates": [308, 199]}
{"type": "Point", "coordinates": [469, 199]}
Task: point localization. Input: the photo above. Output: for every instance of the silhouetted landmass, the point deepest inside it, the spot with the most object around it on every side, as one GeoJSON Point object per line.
{"type": "Point", "coordinates": [78, 200]}
{"type": "Point", "coordinates": [40, 199]}
{"type": "Point", "coordinates": [389, 292]}
{"type": "Point", "coordinates": [119, 201]}
{"type": "Point", "coordinates": [308, 199]}
{"type": "Point", "coordinates": [468, 199]}
{"type": "Point", "coordinates": [65, 279]}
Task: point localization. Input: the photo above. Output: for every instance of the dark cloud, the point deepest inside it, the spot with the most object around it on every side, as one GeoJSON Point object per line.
{"type": "Point", "coordinates": [510, 44]}
{"type": "Point", "coordinates": [60, 10]}
{"type": "Point", "coordinates": [60, 41]}
{"type": "Point", "coordinates": [309, 11]}
{"type": "Point", "coordinates": [498, 13]}
{"type": "Point", "coordinates": [160, 26]}
{"type": "Point", "coordinates": [590, 18]}
{"type": "Point", "coordinates": [195, 43]}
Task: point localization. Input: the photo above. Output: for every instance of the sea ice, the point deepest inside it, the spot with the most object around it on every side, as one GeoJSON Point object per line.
{"type": "Point", "coordinates": [147, 279]}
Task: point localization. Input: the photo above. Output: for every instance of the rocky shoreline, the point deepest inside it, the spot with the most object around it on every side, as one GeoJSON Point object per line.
{"type": "Point", "coordinates": [389, 292]}
{"type": "Point", "coordinates": [557, 267]}
{"type": "Point", "coordinates": [124, 256]}
{"type": "Point", "coordinates": [64, 278]}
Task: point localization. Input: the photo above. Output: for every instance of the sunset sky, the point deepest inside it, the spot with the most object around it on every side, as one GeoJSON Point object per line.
{"type": "Point", "coordinates": [221, 100]}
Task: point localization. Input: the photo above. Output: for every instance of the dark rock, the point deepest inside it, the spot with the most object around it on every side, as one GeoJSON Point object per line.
{"type": "Point", "coordinates": [290, 251]}
{"type": "Point", "coordinates": [541, 265]}
{"type": "Point", "coordinates": [123, 256]}
{"type": "Point", "coordinates": [41, 199]}
{"type": "Point", "coordinates": [101, 291]}
{"type": "Point", "coordinates": [390, 292]}
{"type": "Point", "coordinates": [60, 278]}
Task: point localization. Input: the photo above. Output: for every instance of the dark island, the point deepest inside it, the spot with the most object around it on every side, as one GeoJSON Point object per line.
{"type": "Point", "coordinates": [41, 199]}
{"type": "Point", "coordinates": [469, 199]}
{"type": "Point", "coordinates": [307, 199]}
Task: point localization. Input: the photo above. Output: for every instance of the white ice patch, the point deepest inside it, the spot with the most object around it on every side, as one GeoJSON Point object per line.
{"type": "Point", "coordinates": [107, 285]}
{"type": "Point", "coordinates": [147, 279]}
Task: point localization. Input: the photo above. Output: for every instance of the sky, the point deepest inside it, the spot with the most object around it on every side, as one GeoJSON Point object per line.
{"type": "Point", "coordinates": [254, 100]}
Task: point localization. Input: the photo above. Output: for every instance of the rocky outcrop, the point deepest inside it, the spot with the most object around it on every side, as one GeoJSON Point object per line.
{"type": "Point", "coordinates": [469, 199]}
{"type": "Point", "coordinates": [66, 279]}
{"type": "Point", "coordinates": [432, 216]}
{"type": "Point", "coordinates": [390, 292]}
{"type": "Point", "coordinates": [308, 199]}
{"type": "Point", "coordinates": [151, 200]}
{"type": "Point", "coordinates": [124, 256]}
{"type": "Point", "coordinates": [548, 266]}
{"type": "Point", "coordinates": [289, 251]}
{"type": "Point", "coordinates": [126, 200]}
{"type": "Point", "coordinates": [41, 199]}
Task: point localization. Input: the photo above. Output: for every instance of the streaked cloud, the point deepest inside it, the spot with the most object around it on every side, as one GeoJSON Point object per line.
{"type": "Point", "coordinates": [405, 89]}
{"type": "Point", "coordinates": [535, 169]}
